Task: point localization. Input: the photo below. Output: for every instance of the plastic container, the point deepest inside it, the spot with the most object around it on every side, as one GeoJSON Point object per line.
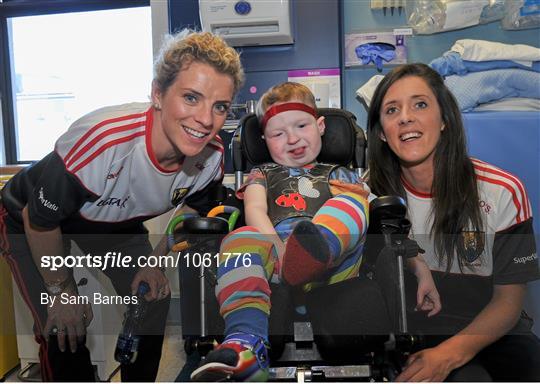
{"type": "Point", "coordinates": [434, 16]}
{"type": "Point", "coordinates": [521, 14]}
{"type": "Point", "coordinates": [127, 345]}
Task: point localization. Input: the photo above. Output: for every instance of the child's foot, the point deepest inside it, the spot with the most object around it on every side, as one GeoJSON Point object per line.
{"type": "Point", "coordinates": [306, 256]}
{"type": "Point", "coordinates": [241, 357]}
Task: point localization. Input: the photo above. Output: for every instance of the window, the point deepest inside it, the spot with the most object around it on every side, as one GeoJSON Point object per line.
{"type": "Point", "coordinates": [64, 65]}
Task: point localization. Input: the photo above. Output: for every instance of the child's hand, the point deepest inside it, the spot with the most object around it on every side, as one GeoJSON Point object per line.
{"type": "Point", "coordinates": [338, 187]}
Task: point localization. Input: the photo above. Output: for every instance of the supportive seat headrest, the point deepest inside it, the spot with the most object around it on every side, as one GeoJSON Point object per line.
{"type": "Point", "coordinates": [338, 142]}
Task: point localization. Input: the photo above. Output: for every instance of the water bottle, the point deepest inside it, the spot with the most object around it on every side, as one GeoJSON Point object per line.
{"type": "Point", "coordinates": [128, 339]}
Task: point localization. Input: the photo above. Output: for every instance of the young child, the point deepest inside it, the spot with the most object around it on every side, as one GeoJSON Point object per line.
{"type": "Point", "coordinates": [307, 223]}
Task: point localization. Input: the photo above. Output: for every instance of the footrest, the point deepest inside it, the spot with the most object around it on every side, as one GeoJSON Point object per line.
{"type": "Point", "coordinates": [320, 373]}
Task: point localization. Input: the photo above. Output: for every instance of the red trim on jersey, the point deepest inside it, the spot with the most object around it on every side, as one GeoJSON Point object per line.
{"type": "Point", "coordinates": [413, 191]}
{"type": "Point", "coordinates": [148, 141]}
{"type": "Point", "coordinates": [99, 137]}
{"type": "Point", "coordinates": [104, 147]}
{"type": "Point", "coordinates": [219, 139]}
{"type": "Point", "coordinates": [510, 189]}
{"type": "Point", "coordinates": [480, 165]}
{"type": "Point", "coordinates": [98, 126]}
{"type": "Point", "coordinates": [76, 176]}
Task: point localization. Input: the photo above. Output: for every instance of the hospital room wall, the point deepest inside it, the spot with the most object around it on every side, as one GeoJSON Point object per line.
{"type": "Point", "coordinates": [319, 28]}
{"type": "Point", "coordinates": [358, 17]}
{"type": "Point", "coordinates": [316, 30]}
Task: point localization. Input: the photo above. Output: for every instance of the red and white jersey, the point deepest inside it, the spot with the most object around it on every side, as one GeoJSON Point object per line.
{"type": "Point", "coordinates": [103, 170]}
{"type": "Point", "coordinates": [505, 208]}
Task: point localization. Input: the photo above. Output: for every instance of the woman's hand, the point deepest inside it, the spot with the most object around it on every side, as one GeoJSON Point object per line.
{"type": "Point", "coordinates": [156, 280]}
{"type": "Point", "coordinates": [427, 296]}
{"type": "Point", "coordinates": [70, 319]}
{"type": "Point", "coordinates": [432, 364]}
{"type": "Point", "coordinates": [426, 365]}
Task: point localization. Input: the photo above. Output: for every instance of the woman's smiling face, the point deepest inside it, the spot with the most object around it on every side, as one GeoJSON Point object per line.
{"type": "Point", "coordinates": [194, 107]}
{"type": "Point", "coordinates": [411, 120]}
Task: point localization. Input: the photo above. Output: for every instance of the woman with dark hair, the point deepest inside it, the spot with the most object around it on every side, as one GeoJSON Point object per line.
{"type": "Point", "coordinates": [473, 219]}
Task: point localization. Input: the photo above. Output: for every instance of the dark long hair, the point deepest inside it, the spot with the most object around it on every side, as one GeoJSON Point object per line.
{"type": "Point", "coordinates": [454, 190]}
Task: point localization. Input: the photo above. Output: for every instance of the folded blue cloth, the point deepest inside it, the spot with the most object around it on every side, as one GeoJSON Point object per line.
{"type": "Point", "coordinates": [451, 63]}
{"type": "Point", "coordinates": [375, 53]}
{"type": "Point", "coordinates": [477, 88]}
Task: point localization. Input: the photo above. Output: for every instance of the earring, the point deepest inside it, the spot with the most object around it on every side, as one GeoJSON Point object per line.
{"type": "Point", "coordinates": [442, 127]}
{"type": "Point", "coordinates": [383, 138]}
{"type": "Point", "coordinates": [157, 107]}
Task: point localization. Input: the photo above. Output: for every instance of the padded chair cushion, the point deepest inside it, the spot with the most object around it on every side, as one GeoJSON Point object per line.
{"type": "Point", "coordinates": [338, 142]}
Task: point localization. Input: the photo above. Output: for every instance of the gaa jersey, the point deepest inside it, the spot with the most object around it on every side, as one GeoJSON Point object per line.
{"type": "Point", "coordinates": [103, 172]}
{"type": "Point", "coordinates": [504, 252]}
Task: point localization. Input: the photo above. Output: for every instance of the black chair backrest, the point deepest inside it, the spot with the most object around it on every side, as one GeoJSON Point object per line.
{"type": "Point", "coordinates": [343, 142]}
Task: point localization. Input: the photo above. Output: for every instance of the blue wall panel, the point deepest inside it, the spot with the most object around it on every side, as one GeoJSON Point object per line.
{"type": "Point", "coordinates": [511, 140]}
{"type": "Point", "coordinates": [317, 43]}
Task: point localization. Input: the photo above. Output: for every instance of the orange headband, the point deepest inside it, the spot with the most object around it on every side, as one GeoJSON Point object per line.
{"type": "Point", "coordinates": [275, 109]}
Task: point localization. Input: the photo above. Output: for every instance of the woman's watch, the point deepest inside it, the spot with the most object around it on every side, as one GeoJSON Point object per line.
{"type": "Point", "coordinates": [55, 288]}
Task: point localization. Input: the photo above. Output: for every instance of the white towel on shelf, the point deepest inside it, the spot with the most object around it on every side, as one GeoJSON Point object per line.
{"type": "Point", "coordinates": [367, 90]}
{"type": "Point", "coordinates": [483, 50]}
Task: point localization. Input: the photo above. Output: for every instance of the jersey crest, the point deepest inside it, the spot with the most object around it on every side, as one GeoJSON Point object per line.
{"type": "Point", "coordinates": [178, 195]}
{"type": "Point", "coordinates": [473, 243]}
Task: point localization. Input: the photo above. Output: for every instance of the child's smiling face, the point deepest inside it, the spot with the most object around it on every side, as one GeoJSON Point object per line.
{"type": "Point", "coordinates": [294, 137]}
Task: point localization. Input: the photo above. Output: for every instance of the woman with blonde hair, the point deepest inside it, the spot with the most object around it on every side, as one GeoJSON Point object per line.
{"type": "Point", "coordinates": [113, 169]}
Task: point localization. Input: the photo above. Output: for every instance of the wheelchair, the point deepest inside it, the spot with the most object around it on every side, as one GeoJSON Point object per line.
{"type": "Point", "coordinates": [306, 344]}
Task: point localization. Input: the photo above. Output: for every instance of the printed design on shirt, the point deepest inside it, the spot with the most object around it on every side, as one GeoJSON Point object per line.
{"type": "Point", "coordinates": [473, 243]}
{"type": "Point", "coordinates": [525, 259]}
{"type": "Point", "coordinates": [114, 175]}
{"type": "Point", "coordinates": [485, 206]}
{"type": "Point", "coordinates": [178, 195]}
{"type": "Point", "coordinates": [200, 165]}
{"type": "Point", "coordinates": [294, 200]}
{"type": "Point", "coordinates": [113, 201]}
{"type": "Point", "coordinates": [294, 197]}
{"type": "Point", "coordinates": [495, 176]}
{"type": "Point", "coordinates": [46, 203]}
{"type": "Point", "coordinates": [305, 187]}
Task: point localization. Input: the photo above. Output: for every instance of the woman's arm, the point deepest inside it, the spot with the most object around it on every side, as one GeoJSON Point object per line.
{"type": "Point", "coordinates": [43, 241]}
{"type": "Point", "coordinates": [493, 322]}
{"type": "Point", "coordinates": [427, 296]}
{"type": "Point", "coordinates": [70, 320]}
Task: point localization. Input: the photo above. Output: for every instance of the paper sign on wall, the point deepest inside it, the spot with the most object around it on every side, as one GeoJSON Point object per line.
{"type": "Point", "coordinates": [324, 83]}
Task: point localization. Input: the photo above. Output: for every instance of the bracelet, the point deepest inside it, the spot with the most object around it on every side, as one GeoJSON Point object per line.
{"type": "Point", "coordinates": [57, 287]}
